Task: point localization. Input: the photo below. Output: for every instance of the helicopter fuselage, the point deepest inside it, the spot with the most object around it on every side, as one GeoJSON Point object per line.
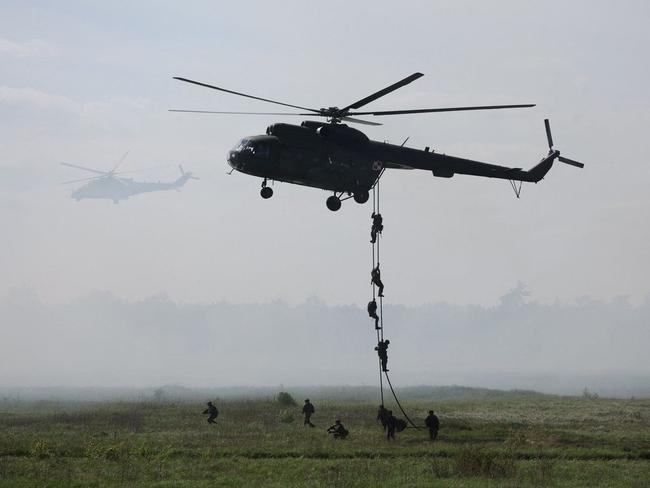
{"type": "Point", "coordinates": [339, 158]}
{"type": "Point", "coordinates": [116, 188]}
{"type": "Point", "coordinates": [332, 156]}
{"type": "Point", "coordinates": [305, 155]}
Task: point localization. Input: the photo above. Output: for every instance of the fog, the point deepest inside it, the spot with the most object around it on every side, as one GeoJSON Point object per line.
{"type": "Point", "coordinates": [101, 340]}
{"type": "Point", "coordinates": [213, 286]}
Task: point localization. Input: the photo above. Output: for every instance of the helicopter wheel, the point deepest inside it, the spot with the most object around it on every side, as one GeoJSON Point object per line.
{"type": "Point", "coordinates": [361, 196]}
{"type": "Point", "coordinates": [333, 203]}
{"type": "Point", "coordinates": [266, 192]}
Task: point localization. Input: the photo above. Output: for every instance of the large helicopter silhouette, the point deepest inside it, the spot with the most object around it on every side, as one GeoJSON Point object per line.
{"type": "Point", "coordinates": [109, 186]}
{"type": "Point", "coordinates": [332, 156]}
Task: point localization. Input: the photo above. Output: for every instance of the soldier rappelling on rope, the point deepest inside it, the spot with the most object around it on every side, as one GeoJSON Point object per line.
{"type": "Point", "coordinates": [375, 276]}
{"type": "Point", "coordinates": [377, 226]}
{"type": "Point", "coordinates": [372, 312]}
{"type": "Point", "coordinates": [382, 352]}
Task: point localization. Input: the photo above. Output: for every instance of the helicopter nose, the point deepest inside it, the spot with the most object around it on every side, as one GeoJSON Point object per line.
{"type": "Point", "coordinates": [234, 159]}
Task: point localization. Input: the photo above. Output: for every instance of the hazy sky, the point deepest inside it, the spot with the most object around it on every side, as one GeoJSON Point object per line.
{"type": "Point", "coordinates": [84, 82]}
{"type": "Point", "coordinates": [100, 340]}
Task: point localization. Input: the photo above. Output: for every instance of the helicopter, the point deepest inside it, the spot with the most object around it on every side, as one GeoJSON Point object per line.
{"type": "Point", "coordinates": [335, 157]}
{"type": "Point", "coordinates": [109, 186]}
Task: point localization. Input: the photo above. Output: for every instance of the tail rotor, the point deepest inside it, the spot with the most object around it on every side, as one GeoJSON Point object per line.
{"type": "Point", "coordinates": [551, 151]}
{"type": "Point", "coordinates": [188, 174]}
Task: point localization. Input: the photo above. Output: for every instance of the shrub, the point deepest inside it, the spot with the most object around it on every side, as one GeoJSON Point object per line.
{"type": "Point", "coordinates": [286, 400]}
{"type": "Point", "coordinates": [440, 468]}
{"type": "Point", "coordinates": [42, 450]}
{"type": "Point", "coordinates": [481, 462]}
{"type": "Point", "coordinates": [287, 417]}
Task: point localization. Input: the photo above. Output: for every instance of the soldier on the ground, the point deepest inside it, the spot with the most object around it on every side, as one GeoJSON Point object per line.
{"type": "Point", "coordinates": [337, 430]}
{"type": "Point", "coordinates": [433, 424]}
{"type": "Point", "coordinates": [391, 425]}
{"type": "Point", "coordinates": [212, 411]}
{"type": "Point", "coordinates": [372, 312]}
{"type": "Point", "coordinates": [308, 410]}
{"type": "Point", "coordinates": [382, 416]}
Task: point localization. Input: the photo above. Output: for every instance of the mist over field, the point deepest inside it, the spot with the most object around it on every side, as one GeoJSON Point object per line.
{"type": "Point", "coordinates": [104, 341]}
{"type": "Point", "coordinates": [214, 287]}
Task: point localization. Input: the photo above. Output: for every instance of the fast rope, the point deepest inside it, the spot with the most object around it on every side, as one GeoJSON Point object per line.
{"type": "Point", "coordinates": [380, 330]}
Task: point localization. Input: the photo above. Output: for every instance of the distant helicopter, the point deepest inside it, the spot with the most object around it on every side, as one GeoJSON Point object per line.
{"type": "Point", "coordinates": [332, 156]}
{"type": "Point", "coordinates": [107, 185]}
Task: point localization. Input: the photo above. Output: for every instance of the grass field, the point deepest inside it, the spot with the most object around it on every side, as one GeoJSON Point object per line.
{"type": "Point", "coordinates": [513, 439]}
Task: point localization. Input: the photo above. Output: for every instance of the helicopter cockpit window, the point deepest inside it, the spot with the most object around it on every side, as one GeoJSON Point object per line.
{"type": "Point", "coordinates": [261, 150]}
{"type": "Point", "coordinates": [241, 145]}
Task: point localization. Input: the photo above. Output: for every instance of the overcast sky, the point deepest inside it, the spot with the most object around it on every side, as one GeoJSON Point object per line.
{"type": "Point", "coordinates": [84, 82]}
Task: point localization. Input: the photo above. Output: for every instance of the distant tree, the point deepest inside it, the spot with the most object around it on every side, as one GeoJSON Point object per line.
{"type": "Point", "coordinates": [589, 395]}
{"type": "Point", "coordinates": [286, 400]}
{"type": "Point", "coordinates": [159, 394]}
{"type": "Point", "coordinates": [515, 298]}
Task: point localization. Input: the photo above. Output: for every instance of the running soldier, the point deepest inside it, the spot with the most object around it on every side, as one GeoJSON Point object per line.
{"type": "Point", "coordinates": [308, 410]}
{"type": "Point", "coordinates": [212, 412]}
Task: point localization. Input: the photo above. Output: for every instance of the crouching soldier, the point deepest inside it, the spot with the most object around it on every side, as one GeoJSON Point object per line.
{"type": "Point", "coordinates": [212, 412]}
{"type": "Point", "coordinates": [337, 430]}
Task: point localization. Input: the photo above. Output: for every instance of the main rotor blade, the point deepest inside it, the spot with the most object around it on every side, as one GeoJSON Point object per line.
{"type": "Point", "coordinates": [120, 161]}
{"type": "Point", "coordinates": [381, 93]}
{"type": "Point", "coordinates": [549, 137]}
{"type": "Point", "coordinates": [359, 121]}
{"type": "Point", "coordinates": [243, 94]}
{"type": "Point", "coordinates": [82, 179]}
{"type": "Point", "coordinates": [447, 109]}
{"type": "Point", "coordinates": [571, 162]}
{"type": "Point", "coordinates": [242, 113]}
{"type": "Point", "coordinates": [85, 169]}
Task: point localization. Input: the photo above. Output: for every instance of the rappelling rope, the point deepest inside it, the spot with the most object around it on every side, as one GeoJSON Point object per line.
{"type": "Point", "coordinates": [397, 401]}
{"type": "Point", "coordinates": [380, 332]}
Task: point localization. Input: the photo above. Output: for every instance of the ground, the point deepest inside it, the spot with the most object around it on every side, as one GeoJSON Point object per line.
{"type": "Point", "coordinates": [514, 439]}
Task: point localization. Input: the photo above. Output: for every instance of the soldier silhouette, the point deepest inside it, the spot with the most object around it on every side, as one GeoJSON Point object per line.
{"type": "Point", "coordinates": [372, 312]}
{"type": "Point", "coordinates": [433, 424]}
{"type": "Point", "coordinates": [382, 352]}
{"type": "Point", "coordinates": [308, 410]}
{"type": "Point", "coordinates": [212, 411]}
{"type": "Point", "coordinates": [337, 430]}
{"type": "Point", "coordinates": [391, 425]}
{"type": "Point", "coordinates": [382, 416]}
{"type": "Point", "coordinates": [375, 276]}
{"type": "Point", "coordinates": [377, 226]}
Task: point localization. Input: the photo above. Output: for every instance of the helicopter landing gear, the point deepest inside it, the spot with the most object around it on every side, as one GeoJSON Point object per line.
{"type": "Point", "coordinates": [266, 191]}
{"type": "Point", "coordinates": [361, 196]}
{"type": "Point", "coordinates": [333, 203]}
